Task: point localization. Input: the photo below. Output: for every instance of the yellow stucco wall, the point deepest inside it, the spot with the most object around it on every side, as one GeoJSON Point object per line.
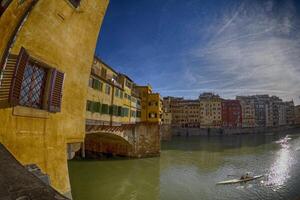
{"type": "Point", "coordinates": [65, 38]}
{"type": "Point", "coordinates": [210, 113]}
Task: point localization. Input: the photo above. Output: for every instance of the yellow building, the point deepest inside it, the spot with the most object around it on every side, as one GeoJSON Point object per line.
{"type": "Point", "coordinates": [210, 110]}
{"type": "Point", "coordinates": [151, 104]}
{"type": "Point", "coordinates": [110, 98]}
{"type": "Point", "coordinates": [46, 49]}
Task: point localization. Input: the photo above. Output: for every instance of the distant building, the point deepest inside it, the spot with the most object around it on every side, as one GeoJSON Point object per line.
{"type": "Point", "coordinates": [167, 113]}
{"type": "Point", "coordinates": [297, 114]}
{"type": "Point", "coordinates": [151, 103]}
{"type": "Point", "coordinates": [290, 112]}
{"type": "Point", "coordinates": [191, 113]}
{"type": "Point", "coordinates": [175, 105]}
{"type": "Point", "coordinates": [111, 97]}
{"type": "Point", "coordinates": [210, 110]}
{"type": "Point", "coordinates": [248, 111]}
{"type": "Point", "coordinates": [231, 114]}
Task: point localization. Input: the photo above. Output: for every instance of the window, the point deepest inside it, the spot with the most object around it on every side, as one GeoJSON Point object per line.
{"type": "Point", "coordinates": [117, 92]}
{"type": "Point", "coordinates": [35, 84]}
{"type": "Point", "coordinates": [103, 72]}
{"type": "Point", "coordinates": [75, 3]}
{"type": "Point", "coordinates": [96, 84]}
{"type": "Point", "coordinates": [107, 89]}
{"type": "Point", "coordinates": [3, 5]}
{"type": "Point", "coordinates": [125, 112]}
{"type": "Point", "coordinates": [104, 109]}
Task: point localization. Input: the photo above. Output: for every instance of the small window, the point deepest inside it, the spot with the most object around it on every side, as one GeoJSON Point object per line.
{"type": "Point", "coordinates": [103, 72]}
{"type": "Point", "coordinates": [75, 3]}
{"type": "Point", "coordinates": [107, 89]}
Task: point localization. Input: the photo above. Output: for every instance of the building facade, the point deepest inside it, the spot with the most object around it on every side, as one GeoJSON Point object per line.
{"type": "Point", "coordinates": [231, 114]}
{"type": "Point", "coordinates": [210, 110]}
{"type": "Point", "coordinates": [297, 114]}
{"type": "Point", "coordinates": [151, 104]}
{"type": "Point", "coordinates": [45, 50]}
{"type": "Point", "coordinates": [248, 112]}
{"type": "Point", "coordinates": [111, 99]}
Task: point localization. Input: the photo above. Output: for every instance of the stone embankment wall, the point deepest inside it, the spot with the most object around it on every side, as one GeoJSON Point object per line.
{"type": "Point", "coordinates": [227, 131]}
{"type": "Point", "coordinates": [165, 132]}
{"type": "Point", "coordinates": [145, 140]}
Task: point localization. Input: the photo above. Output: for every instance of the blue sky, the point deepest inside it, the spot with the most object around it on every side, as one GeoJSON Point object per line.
{"type": "Point", "coordinates": [185, 47]}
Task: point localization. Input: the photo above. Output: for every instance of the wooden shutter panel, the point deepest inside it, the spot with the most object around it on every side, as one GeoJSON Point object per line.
{"type": "Point", "coordinates": [17, 80]}
{"type": "Point", "coordinates": [56, 89]}
{"type": "Point", "coordinates": [8, 74]}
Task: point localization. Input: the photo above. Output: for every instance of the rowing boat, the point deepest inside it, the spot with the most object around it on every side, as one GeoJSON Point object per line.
{"type": "Point", "coordinates": [232, 181]}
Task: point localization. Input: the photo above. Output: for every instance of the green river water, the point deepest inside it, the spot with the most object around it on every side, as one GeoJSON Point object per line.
{"type": "Point", "coordinates": [190, 167]}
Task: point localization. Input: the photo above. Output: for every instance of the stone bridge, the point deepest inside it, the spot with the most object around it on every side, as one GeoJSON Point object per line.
{"type": "Point", "coordinates": [133, 140]}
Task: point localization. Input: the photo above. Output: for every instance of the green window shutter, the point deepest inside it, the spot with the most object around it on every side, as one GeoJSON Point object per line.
{"type": "Point", "coordinates": [120, 111]}
{"type": "Point", "coordinates": [115, 110]}
{"type": "Point", "coordinates": [97, 107]}
{"type": "Point", "coordinates": [104, 109]}
{"type": "Point", "coordinates": [110, 110]}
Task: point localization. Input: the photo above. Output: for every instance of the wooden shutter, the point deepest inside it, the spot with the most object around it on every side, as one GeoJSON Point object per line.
{"type": "Point", "coordinates": [17, 80]}
{"type": "Point", "coordinates": [56, 89]}
{"type": "Point", "coordinates": [8, 74]}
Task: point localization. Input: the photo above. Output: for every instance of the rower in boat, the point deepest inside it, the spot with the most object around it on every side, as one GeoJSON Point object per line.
{"type": "Point", "coordinates": [246, 176]}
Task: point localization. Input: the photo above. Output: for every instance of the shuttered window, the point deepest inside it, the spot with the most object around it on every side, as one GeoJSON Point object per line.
{"type": "Point", "coordinates": [35, 84]}
{"type": "Point", "coordinates": [55, 96]}
{"type": "Point", "coordinates": [104, 109]}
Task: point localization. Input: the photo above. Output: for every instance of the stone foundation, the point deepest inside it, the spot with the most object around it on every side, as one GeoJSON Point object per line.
{"type": "Point", "coordinates": [176, 131]}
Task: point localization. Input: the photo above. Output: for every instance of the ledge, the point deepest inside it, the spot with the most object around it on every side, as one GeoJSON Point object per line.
{"type": "Point", "coordinates": [18, 183]}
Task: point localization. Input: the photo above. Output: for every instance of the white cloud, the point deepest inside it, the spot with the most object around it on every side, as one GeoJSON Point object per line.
{"type": "Point", "coordinates": [257, 50]}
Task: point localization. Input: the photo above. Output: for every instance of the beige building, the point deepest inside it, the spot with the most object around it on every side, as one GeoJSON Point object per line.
{"type": "Point", "coordinates": [46, 51]}
{"type": "Point", "coordinates": [248, 112]}
{"type": "Point", "coordinates": [167, 114]}
{"type": "Point", "coordinates": [210, 110]}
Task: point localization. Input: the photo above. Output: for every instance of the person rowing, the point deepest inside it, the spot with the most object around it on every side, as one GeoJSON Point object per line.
{"type": "Point", "coordinates": [246, 176]}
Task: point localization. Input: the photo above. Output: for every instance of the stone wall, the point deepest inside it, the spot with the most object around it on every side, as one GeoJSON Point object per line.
{"type": "Point", "coordinates": [226, 131]}
{"type": "Point", "coordinates": [146, 140]}
{"type": "Point", "coordinates": [165, 132]}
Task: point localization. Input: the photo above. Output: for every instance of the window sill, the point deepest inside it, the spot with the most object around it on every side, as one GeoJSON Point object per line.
{"type": "Point", "coordinates": [30, 112]}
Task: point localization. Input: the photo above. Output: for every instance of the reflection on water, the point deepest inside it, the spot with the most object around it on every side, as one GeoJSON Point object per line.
{"type": "Point", "coordinates": [189, 169]}
{"type": "Point", "coordinates": [280, 169]}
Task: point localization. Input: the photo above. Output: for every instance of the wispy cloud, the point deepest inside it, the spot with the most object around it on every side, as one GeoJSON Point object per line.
{"type": "Point", "coordinates": [256, 51]}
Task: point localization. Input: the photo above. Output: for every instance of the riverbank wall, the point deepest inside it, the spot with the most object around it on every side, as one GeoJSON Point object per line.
{"type": "Point", "coordinates": [178, 131]}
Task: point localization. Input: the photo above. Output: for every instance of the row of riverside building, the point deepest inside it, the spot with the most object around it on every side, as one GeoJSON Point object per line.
{"type": "Point", "coordinates": [212, 111]}
{"type": "Point", "coordinates": [114, 99]}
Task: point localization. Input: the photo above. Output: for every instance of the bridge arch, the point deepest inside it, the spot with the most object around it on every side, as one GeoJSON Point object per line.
{"type": "Point", "coordinates": [107, 143]}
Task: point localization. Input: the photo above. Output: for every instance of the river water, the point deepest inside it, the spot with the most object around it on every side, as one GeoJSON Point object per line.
{"type": "Point", "coordinates": [190, 167]}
